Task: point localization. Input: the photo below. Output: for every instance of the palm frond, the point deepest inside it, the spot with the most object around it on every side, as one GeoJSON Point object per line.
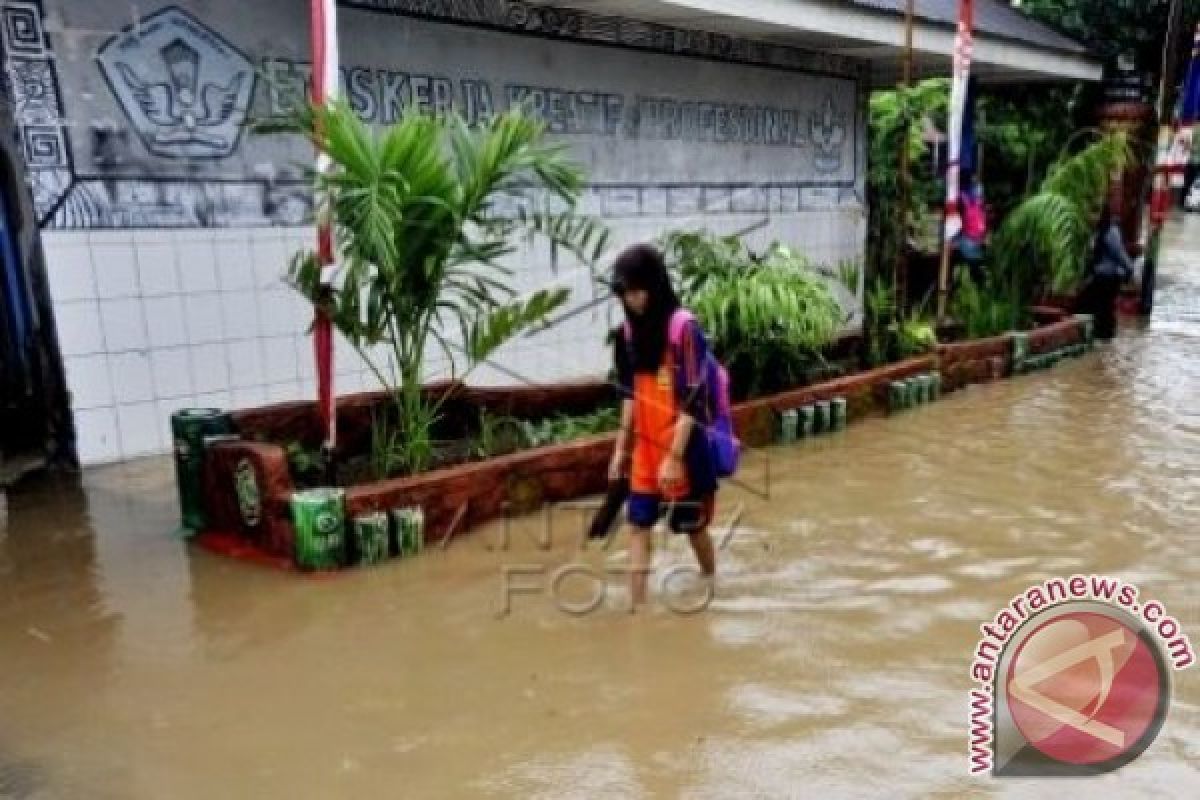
{"type": "Point", "coordinates": [487, 334]}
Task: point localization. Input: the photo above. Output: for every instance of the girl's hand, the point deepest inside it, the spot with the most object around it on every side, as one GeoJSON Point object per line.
{"type": "Point", "coordinates": [670, 474]}
{"type": "Point", "coordinates": [616, 467]}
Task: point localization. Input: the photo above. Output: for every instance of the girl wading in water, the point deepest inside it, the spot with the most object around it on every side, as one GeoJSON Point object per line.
{"type": "Point", "coordinates": [660, 355]}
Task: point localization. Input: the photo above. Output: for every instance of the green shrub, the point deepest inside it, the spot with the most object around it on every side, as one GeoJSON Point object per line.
{"type": "Point", "coordinates": [769, 317]}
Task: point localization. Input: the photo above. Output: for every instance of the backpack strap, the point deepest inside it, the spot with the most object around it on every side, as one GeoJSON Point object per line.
{"type": "Point", "coordinates": [679, 321]}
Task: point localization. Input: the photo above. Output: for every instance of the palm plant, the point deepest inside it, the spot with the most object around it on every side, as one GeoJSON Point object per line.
{"type": "Point", "coordinates": [1046, 240]}
{"type": "Point", "coordinates": [420, 241]}
{"type": "Point", "coordinates": [769, 316]}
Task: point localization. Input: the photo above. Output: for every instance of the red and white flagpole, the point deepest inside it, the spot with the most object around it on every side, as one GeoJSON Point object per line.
{"type": "Point", "coordinates": [963, 46]}
{"type": "Point", "coordinates": [1160, 195]}
{"type": "Point", "coordinates": [324, 89]}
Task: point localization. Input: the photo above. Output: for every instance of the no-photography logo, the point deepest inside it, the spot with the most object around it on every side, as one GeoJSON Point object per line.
{"type": "Point", "coordinates": [1075, 679]}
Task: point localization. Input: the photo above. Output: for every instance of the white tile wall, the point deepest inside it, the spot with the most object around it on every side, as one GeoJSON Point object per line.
{"type": "Point", "coordinates": [166, 321]}
{"type": "Point", "coordinates": [140, 432]}
{"type": "Point", "coordinates": [153, 321]}
{"type": "Point", "coordinates": [158, 273]}
{"type": "Point", "coordinates": [172, 371]}
{"type": "Point", "coordinates": [90, 379]}
{"type": "Point", "coordinates": [132, 379]}
{"type": "Point", "coordinates": [96, 435]}
{"type": "Point", "coordinates": [123, 322]}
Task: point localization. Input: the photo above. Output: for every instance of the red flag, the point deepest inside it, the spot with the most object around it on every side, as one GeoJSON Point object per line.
{"type": "Point", "coordinates": [963, 44]}
{"type": "Point", "coordinates": [324, 89]}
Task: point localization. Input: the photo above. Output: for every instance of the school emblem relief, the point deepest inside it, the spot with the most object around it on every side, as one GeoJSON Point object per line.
{"type": "Point", "coordinates": [185, 88]}
{"type": "Point", "coordinates": [829, 132]}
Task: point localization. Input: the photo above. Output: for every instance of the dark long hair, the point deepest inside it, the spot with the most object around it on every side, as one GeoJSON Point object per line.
{"type": "Point", "coordinates": [642, 267]}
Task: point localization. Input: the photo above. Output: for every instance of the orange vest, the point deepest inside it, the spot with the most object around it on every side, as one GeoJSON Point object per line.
{"type": "Point", "coordinates": [654, 417]}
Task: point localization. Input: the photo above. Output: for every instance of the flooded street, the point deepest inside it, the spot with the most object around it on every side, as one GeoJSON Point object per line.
{"type": "Point", "coordinates": [833, 662]}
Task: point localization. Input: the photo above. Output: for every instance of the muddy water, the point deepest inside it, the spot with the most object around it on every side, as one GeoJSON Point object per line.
{"type": "Point", "coordinates": [833, 662]}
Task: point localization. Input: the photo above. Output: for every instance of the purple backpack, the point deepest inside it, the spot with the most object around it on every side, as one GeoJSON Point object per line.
{"type": "Point", "coordinates": [723, 444]}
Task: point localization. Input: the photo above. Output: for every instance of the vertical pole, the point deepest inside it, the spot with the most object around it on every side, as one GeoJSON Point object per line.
{"type": "Point", "coordinates": [1160, 199]}
{"type": "Point", "coordinates": [963, 43]}
{"type": "Point", "coordinates": [324, 88]}
{"type": "Point", "coordinates": [900, 278]}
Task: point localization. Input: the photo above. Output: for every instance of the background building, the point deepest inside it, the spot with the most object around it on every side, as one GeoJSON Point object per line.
{"type": "Point", "coordinates": [168, 226]}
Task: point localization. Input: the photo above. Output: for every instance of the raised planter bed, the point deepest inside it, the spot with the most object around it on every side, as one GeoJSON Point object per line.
{"type": "Point", "coordinates": [248, 486]}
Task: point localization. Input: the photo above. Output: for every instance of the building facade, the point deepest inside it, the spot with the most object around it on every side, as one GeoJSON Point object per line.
{"type": "Point", "coordinates": [168, 225]}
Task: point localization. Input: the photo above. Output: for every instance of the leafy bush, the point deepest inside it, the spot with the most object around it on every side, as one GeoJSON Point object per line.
{"type": "Point", "coordinates": [985, 310]}
{"type": "Point", "coordinates": [566, 428]}
{"type": "Point", "coordinates": [769, 317]}
{"type": "Point", "coordinates": [915, 335]}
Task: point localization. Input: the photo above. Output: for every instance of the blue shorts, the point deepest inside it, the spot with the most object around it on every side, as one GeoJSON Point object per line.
{"type": "Point", "coordinates": [689, 515]}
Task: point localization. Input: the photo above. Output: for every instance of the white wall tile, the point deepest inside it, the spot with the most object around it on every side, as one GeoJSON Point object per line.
{"type": "Point", "coordinates": [235, 265]}
{"type": "Point", "coordinates": [66, 239]}
{"type": "Point", "coordinates": [245, 363]}
{"type": "Point", "coordinates": [287, 393]}
{"type": "Point", "coordinates": [197, 265]}
{"type": "Point", "coordinates": [172, 371]}
{"type": "Point", "coordinates": [166, 325]}
{"type": "Point", "coordinates": [239, 311]}
{"type": "Point", "coordinates": [124, 324]}
{"type": "Point", "coordinates": [308, 387]}
{"type": "Point", "coordinates": [69, 269]}
{"type": "Point", "coordinates": [279, 360]}
{"type": "Point", "coordinates": [140, 429]}
{"type": "Point", "coordinates": [271, 256]}
{"type": "Point", "coordinates": [283, 312]}
{"type": "Point", "coordinates": [249, 397]}
{"type": "Point", "coordinates": [210, 368]}
{"type": "Point", "coordinates": [131, 376]}
{"type": "Point", "coordinates": [204, 318]}
{"type": "Point", "coordinates": [345, 358]}
{"type": "Point", "coordinates": [157, 272]}
{"type": "Point", "coordinates": [115, 267]}
{"type": "Point", "coordinates": [222, 400]}
{"type": "Point", "coordinates": [107, 236]}
{"type": "Point", "coordinates": [96, 436]}
{"type": "Point", "coordinates": [79, 331]}
{"type": "Point", "coordinates": [89, 381]}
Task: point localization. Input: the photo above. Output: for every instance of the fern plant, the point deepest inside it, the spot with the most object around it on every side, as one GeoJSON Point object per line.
{"type": "Point", "coordinates": [1046, 240]}
{"type": "Point", "coordinates": [420, 241]}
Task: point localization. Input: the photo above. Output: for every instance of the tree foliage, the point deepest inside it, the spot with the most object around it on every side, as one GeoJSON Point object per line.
{"type": "Point", "coordinates": [895, 124]}
{"type": "Point", "coordinates": [1111, 28]}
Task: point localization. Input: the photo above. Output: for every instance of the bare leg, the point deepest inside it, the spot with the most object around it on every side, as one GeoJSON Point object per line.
{"type": "Point", "coordinates": [702, 546]}
{"type": "Point", "coordinates": [640, 547]}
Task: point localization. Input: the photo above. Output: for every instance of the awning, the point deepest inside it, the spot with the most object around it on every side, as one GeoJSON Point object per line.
{"type": "Point", "coordinates": [1010, 47]}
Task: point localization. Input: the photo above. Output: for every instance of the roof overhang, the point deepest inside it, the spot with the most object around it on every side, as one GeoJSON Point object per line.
{"type": "Point", "coordinates": [861, 33]}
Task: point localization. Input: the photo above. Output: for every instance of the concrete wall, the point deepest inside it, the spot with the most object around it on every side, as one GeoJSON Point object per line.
{"type": "Point", "coordinates": [168, 226]}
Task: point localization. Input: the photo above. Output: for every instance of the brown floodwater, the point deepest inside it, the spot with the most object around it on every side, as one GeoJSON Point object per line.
{"type": "Point", "coordinates": [832, 663]}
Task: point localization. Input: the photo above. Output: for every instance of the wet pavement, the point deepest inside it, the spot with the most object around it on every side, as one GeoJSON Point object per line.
{"type": "Point", "coordinates": [833, 662]}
